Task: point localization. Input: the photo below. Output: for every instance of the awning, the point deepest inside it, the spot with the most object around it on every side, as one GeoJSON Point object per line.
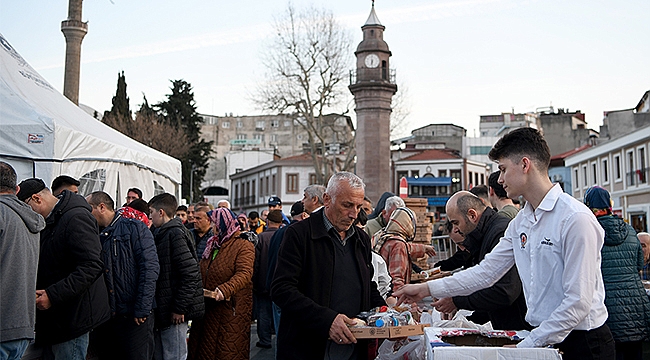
{"type": "Point", "coordinates": [429, 181]}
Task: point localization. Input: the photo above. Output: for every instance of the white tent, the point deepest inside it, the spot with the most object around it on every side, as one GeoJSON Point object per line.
{"type": "Point", "coordinates": [43, 134]}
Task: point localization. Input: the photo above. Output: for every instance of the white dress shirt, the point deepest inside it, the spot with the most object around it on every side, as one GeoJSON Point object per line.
{"type": "Point", "coordinates": [556, 248]}
{"type": "Point", "coordinates": [380, 274]}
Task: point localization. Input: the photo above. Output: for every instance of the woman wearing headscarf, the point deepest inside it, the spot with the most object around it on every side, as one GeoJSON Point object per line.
{"type": "Point", "coordinates": [394, 244]}
{"type": "Point", "coordinates": [622, 258]}
{"type": "Point", "coordinates": [227, 269]}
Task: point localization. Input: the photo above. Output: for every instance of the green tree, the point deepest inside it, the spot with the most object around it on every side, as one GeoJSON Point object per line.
{"type": "Point", "coordinates": [120, 108]}
{"type": "Point", "coordinates": [179, 111]}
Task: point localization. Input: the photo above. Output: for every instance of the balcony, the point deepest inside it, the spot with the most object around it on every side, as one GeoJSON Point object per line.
{"type": "Point", "coordinates": [637, 177]}
{"type": "Point", "coordinates": [244, 201]}
{"type": "Point", "coordinates": [380, 75]}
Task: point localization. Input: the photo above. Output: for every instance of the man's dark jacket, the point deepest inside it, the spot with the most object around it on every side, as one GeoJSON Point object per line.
{"type": "Point", "coordinates": [70, 270]}
{"type": "Point", "coordinates": [303, 282]}
{"type": "Point", "coordinates": [504, 302]}
{"type": "Point", "coordinates": [261, 266]}
{"type": "Point", "coordinates": [179, 288]}
{"type": "Point", "coordinates": [131, 266]}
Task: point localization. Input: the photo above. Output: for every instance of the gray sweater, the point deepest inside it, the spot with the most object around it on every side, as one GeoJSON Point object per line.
{"type": "Point", "coordinates": [19, 248]}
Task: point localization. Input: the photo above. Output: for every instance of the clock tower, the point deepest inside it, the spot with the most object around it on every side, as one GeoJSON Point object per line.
{"type": "Point", "coordinates": [373, 86]}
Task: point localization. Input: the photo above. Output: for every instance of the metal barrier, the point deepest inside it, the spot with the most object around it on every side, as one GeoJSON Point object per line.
{"type": "Point", "coordinates": [445, 248]}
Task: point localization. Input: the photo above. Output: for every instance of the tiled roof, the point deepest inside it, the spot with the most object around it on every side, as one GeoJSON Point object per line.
{"type": "Point", "coordinates": [432, 154]}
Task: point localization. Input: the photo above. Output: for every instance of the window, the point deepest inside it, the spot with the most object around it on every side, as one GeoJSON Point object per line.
{"type": "Point", "coordinates": [630, 161]}
{"type": "Point", "coordinates": [470, 177]}
{"type": "Point", "coordinates": [157, 189]}
{"type": "Point", "coordinates": [605, 171]}
{"type": "Point", "coordinates": [415, 190]}
{"type": "Point", "coordinates": [641, 159]}
{"type": "Point", "coordinates": [584, 175]}
{"type": "Point", "coordinates": [476, 179]}
{"type": "Point", "coordinates": [92, 181]}
{"type": "Point", "coordinates": [259, 124]}
{"type": "Point", "coordinates": [479, 150]}
{"type": "Point", "coordinates": [456, 180]}
{"type": "Point", "coordinates": [287, 123]}
{"type": "Point", "coordinates": [442, 173]}
{"type": "Point", "coordinates": [575, 178]}
{"type": "Point", "coordinates": [241, 136]}
{"type": "Point", "coordinates": [312, 179]}
{"type": "Point", "coordinates": [594, 174]}
{"type": "Point", "coordinates": [617, 167]}
{"type": "Point", "coordinates": [266, 187]}
{"type": "Point", "coordinates": [275, 123]}
{"type": "Point", "coordinates": [442, 190]}
{"type": "Point", "coordinates": [236, 194]}
{"type": "Point", "coordinates": [401, 174]}
{"type": "Point", "coordinates": [258, 137]}
{"type": "Point", "coordinates": [253, 189]}
{"type": "Point", "coordinates": [274, 138]}
{"type": "Point", "coordinates": [292, 183]}
{"type": "Point", "coordinates": [225, 124]}
{"type": "Point", "coordinates": [240, 124]}
{"type": "Point", "coordinates": [273, 184]}
{"type": "Point", "coordinates": [482, 178]}
{"type": "Point", "coordinates": [415, 173]}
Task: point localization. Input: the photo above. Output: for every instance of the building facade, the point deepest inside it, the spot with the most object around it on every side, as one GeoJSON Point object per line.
{"type": "Point", "coordinates": [621, 167]}
{"type": "Point", "coordinates": [436, 174]}
{"type": "Point", "coordinates": [285, 178]}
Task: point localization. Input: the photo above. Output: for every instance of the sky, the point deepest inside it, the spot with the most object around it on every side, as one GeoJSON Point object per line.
{"type": "Point", "coordinates": [455, 59]}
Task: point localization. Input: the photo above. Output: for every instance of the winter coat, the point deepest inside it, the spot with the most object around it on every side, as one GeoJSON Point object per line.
{"type": "Point", "coordinates": [626, 301]}
{"type": "Point", "coordinates": [224, 332]}
{"type": "Point", "coordinates": [504, 301]}
{"type": "Point", "coordinates": [302, 286]}
{"type": "Point", "coordinates": [70, 271]}
{"type": "Point", "coordinates": [19, 239]}
{"type": "Point", "coordinates": [262, 261]}
{"type": "Point", "coordinates": [178, 289]}
{"type": "Point", "coordinates": [131, 266]}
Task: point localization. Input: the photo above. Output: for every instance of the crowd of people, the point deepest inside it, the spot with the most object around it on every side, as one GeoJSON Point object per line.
{"type": "Point", "coordinates": [131, 282]}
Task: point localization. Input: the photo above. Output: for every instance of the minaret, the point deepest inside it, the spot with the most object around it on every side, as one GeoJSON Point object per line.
{"type": "Point", "coordinates": [74, 31]}
{"type": "Point", "coordinates": [373, 87]}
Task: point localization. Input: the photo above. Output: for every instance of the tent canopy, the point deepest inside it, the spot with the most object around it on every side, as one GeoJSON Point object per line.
{"type": "Point", "coordinates": [41, 127]}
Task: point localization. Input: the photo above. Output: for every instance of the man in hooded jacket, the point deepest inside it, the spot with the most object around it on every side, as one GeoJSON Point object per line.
{"type": "Point", "coordinates": [71, 296]}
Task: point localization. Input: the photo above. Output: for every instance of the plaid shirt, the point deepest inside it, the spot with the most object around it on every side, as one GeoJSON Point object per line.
{"type": "Point", "coordinates": [396, 253]}
{"type": "Point", "coordinates": [329, 227]}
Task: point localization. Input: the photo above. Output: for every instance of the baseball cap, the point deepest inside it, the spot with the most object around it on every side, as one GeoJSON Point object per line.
{"type": "Point", "coordinates": [297, 208]}
{"type": "Point", "coordinates": [29, 187]}
{"type": "Point", "coordinates": [274, 200]}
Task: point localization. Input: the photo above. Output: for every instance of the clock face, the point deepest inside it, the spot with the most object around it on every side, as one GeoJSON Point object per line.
{"type": "Point", "coordinates": [372, 61]}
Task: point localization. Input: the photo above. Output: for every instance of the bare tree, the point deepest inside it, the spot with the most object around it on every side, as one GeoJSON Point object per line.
{"type": "Point", "coordinates": [308, 62]}
{"type": "Point", "coordinates": [399, 122]}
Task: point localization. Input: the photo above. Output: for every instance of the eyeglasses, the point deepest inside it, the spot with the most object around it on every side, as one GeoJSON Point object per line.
{"type": "Point", "coordinates": [28, 200]}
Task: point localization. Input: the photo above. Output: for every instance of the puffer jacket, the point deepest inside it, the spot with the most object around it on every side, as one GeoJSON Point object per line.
{"type": "Point", "coordinates": [130, 266]}
{"type": "Point", "coordinates": [625, 298]}
{"type": "Point", "coordinates": [178, 289]}
{"type": "Point", "coordinates": [70, 270]}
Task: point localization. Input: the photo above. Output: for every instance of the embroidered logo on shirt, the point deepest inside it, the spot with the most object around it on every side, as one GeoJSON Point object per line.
{"type": "Point", "coordinates": [524, 239]}
{"type": "Point", "coordinates": [547, 241]}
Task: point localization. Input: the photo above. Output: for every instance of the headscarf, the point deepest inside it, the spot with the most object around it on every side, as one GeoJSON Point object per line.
{"type": "Point", "coordinates": [380, 205]}
{"type": "Point", "coordinates": [401, 226]}
{"type": "Point", "coordinates": [597, 199]}
{"type": "Point", "coordinates": [227, 225]}
{"type": "Point", "coordinates": [131, 213]}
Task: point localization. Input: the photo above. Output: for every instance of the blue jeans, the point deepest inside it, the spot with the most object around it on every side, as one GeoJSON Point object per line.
{"type": "Point", "coordinates": [75, 349]}
{"type": "Point", "coordinates": [276, 318]}
{"type": "Point", "coordinates": [171, 343]}
{"type": "Point", "coordinates": [264, 319]}
{"type": "Point", "coordinates": [13, 350]}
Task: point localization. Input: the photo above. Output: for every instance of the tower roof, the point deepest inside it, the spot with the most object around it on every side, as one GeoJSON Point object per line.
{"type": "Point", "coordinates": [372, 19]}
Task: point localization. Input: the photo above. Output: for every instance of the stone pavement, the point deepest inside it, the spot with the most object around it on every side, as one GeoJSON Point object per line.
{"type": "Point", "coordinates": [259, 353]}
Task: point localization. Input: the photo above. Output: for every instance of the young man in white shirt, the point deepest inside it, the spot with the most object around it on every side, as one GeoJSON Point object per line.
{"type": "Point", "coordinates": [555, 243]}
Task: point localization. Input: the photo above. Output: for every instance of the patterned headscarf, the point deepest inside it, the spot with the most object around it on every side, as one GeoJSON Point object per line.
{"type": "Point", "coordinates": [401, 225]}
{"type": "Point", "coordinates": [226, 223]}
{"type": "Point", "coordinates": [131, 213]}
